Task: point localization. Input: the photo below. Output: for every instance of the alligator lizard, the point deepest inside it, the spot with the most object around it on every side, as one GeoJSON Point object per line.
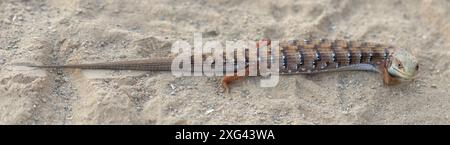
{"type": "Point", "coordinates": [302, 57]}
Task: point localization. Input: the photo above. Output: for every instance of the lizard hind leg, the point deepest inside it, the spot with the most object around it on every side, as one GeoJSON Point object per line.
{"type": "Point", "coordinates": [227, 80]}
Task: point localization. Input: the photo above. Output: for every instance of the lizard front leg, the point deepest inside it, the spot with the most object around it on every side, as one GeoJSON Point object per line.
{"type": "Point", "coordinates": [227, 80]}
{"type": "Point", "coordinates": [387, 78]}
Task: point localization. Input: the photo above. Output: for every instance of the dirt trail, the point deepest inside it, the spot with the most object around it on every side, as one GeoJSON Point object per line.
{"type": "Point", "coordinates": [80, 31]}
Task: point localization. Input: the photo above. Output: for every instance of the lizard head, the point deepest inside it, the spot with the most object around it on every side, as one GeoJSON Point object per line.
{"type": "Point", "coordinates": [402, 64]}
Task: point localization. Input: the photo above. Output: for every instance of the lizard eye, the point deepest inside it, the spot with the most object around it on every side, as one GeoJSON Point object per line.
{"type": "Point", "coordinates": [417, 67]}
{"type": "Point", "coordinates": [400, 66]}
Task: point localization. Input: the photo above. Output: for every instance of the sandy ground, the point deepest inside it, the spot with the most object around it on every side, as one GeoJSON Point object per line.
{"type": "Point", "coordinates": [83, 31]}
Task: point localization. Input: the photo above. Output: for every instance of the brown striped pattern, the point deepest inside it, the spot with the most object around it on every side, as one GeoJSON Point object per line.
{"type": "Point", "coordinates": [318, 55]}
{"type": "Point", "coordinates": [296, 56]}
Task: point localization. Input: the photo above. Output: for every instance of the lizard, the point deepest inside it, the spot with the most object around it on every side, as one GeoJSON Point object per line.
{"type": "Point", "coordinates": [308, 56]}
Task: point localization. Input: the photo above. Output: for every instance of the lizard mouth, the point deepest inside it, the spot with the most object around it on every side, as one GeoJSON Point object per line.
{"type": "Point", "coordinates": [402, 74]}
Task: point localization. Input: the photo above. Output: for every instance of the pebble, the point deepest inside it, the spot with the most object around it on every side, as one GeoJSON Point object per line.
{"type": "Point", "coordinates": [245, 93]}
{"type": "Point", "coordinates": [333, 28]}
{"type": "Point", "coordinates": [122, 56]}
{"type": "Point", "coordinates": [44, 100]}
{"type": "Point", "coordinates": [102, 44]}
{"type": "Point", "coordinates": [79, 11]}
{"type": "Point", "coordinates": [209, 111]}
{"type": "Point", "coordinates": [424, 37]}
{"type": "Point", "coordinates": [28, 8]}
{"type": "Point", "coordinates": [57, 80]}
{"type": "Point", "coordinates": [134, 94]}
{"type": "Point", "coordinates": [43, 7]}
{"type": "Point", "coordinates": [433, 86]}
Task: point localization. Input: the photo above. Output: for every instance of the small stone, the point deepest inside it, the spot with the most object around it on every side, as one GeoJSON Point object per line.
{"type": "Point", "coordinates": [122, 56]}
{"type": "Point", "coordinates": [360, 97]}
{"type": "Point", "coordinates": [209, 111]}
{"type": "Point", "coordinates": [172, 86]}
{"type": "Point", "coordinates": [433, 86]}
{"type": "Point", "coordinates": [44, 100]}
{"type": "Point", "coordinates": [28, 8]}
{"type": "Point", "coordinates": [43, 7]}
{"type": "Point", "coordinates": [134, 94]}
{"type": "Point", "coordinates": [65, 79]}
{"type": "Point", "coordinates": [102, 44]}
{"type": "Point", "coordinates": [172, 93]}
{"type": "Point", "coordinates": [245, 93]}
{"type": "Point", "coordinates": [79, 11]}
{"type": "Point", "coordinates": [58, 80]}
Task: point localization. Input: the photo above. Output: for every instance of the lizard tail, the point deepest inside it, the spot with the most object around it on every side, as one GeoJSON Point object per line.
{"type": "Point", "coordinates": [126, 65]}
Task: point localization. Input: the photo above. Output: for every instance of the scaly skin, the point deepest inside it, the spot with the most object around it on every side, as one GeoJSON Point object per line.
{"type": "Point", "coordinates": [302, 57]}
{"type": "Point", "coordinates": [402, 64]}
